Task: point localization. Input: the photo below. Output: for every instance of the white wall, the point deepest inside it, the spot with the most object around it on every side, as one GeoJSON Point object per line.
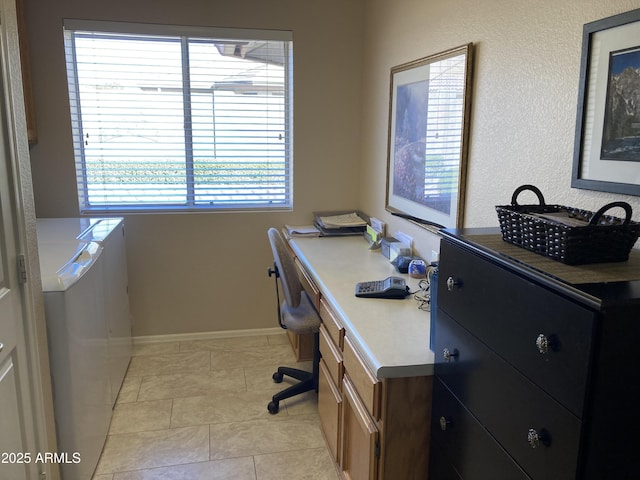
{"type": "Point", "coordinates": [208, 272]}
{"type": "Point", "coordinates": [194, 273]}
{"type": "Point", "coordinates": [524, 102]}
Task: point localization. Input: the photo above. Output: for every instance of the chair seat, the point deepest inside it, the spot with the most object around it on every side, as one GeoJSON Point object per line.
{"type": "Point", "coordinates": [302, 319]}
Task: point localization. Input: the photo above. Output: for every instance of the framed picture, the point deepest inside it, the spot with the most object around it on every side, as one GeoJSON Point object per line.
{"type": "Point", "coordinates": [429, 111]}
{"type": "Point", "coordinates": [607, 140]}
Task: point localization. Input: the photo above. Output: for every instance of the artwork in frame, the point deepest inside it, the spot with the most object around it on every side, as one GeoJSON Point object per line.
{"type": "Point", "coordinates": [607, 139]}
{"type": "Point", "coordinates": [429, 110]}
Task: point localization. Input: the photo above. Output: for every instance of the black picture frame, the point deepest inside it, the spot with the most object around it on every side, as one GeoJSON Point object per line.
{"type": "Point", "coordinates": [606, 150]}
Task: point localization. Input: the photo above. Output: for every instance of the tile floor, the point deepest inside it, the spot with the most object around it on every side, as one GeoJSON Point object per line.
{"type": "Point", "coordinates": [197, 410]}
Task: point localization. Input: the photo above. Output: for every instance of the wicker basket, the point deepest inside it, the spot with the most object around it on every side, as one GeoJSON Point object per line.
{"type": "Point", "coordinates": [568, 235]}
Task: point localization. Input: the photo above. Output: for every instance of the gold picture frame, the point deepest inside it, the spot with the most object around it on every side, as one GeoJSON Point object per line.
{"type": "Point", "coordinates": [429, 116]}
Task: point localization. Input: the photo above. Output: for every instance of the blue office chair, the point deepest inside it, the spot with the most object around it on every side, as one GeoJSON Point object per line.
{"type": "Point", "coordinates": [296, 313]}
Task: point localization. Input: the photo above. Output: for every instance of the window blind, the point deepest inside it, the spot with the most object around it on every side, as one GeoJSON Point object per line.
{"type": "Point", "coordinates": [166, 121]}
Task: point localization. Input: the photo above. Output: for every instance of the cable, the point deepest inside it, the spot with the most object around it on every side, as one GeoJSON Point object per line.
{"type": "Point", "coordinates": [422, 295]}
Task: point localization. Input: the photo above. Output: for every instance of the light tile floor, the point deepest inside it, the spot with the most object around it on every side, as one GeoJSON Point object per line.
{"type": "Point", "coordinates": [197, 410]}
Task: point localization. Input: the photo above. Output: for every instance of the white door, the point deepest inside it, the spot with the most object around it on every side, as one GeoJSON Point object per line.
{"type": "Point", "coordinates": [15, 457]}
{"type": "Point", "coordinates": [17, 435]}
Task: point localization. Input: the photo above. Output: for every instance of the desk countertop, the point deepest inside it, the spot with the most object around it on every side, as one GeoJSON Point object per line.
{"type": "Point", "coordinates": [392, 335]}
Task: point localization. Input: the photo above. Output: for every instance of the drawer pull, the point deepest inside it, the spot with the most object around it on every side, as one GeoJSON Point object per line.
{"type": "Point", "coordinates": [536, 438]}
{"type": "Point", "coordinates": [542, 342]}
{"type": "Point", "coordinates": [547, 344]}
{"type": "Point", "coordinates": [452, 284]}
{"type": "Point", "coordinates": [444, 423]}
{"type": "Point", "coordinates": [448, 354]}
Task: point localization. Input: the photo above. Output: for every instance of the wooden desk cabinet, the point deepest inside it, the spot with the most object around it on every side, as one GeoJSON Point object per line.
{"type": "Point", "coordinates": [375, 429]}
{"type": "Point", "coordinates": [302, 345]}
{"type": "Point", "coordinates": [535, 376]}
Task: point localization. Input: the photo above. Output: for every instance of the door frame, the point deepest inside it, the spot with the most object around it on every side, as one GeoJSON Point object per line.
{"type": "Point", "coordinates": [34, 377]}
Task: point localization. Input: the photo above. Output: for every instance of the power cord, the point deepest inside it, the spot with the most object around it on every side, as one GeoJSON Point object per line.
{"type": "Point", "coordinates": [423, 296]}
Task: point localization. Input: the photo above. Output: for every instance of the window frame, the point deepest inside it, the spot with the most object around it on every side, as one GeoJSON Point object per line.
{"type": "Point", "coordinates": [184, 33]}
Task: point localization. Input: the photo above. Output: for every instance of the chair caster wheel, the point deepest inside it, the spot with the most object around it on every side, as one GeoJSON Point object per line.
{"type": "Point", "coordinates": [273, 407]}
{"type": "Point", "coordinates": [277, 377]}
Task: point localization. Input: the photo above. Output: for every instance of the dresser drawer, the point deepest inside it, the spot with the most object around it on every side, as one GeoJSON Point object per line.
{"type": "Point", "coordinates": [517, 316]}
{"type": "Point", "coordinates": [462, 445]}
{"type": "Point", "coordinates": [332, 324]}
{"type": "Point", "coordinates": [507, 403]}
{"type": "Point", "coordinates": [331, 356]}
{"type": "Point", "coordinates": [439, 466]}
{"type": "Point", "coordinates": [367, 386]}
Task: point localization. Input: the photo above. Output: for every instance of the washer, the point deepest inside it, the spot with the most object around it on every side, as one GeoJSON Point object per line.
{"type": "Point", "coordinates": [84, 281]}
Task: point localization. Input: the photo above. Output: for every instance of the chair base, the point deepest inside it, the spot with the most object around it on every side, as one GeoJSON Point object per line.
{"type": "Point", "coordinates": [308, 380]}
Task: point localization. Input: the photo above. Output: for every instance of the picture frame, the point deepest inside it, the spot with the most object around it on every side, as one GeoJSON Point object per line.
{"type": "Point", "coordinates": [607, 139]}
{"type": "Point", "coordinates": [429, 112]}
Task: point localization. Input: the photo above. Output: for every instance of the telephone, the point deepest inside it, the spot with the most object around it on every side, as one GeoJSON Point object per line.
{"type": "Point", "coordinates": [390, 287]}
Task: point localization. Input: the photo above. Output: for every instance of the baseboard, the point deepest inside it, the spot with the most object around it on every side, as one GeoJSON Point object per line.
{"type": "Point", "coordinates": [185, 337]}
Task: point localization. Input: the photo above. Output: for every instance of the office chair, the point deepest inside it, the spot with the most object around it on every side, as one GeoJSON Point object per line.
{"type": "Point", "coordinates": [296, 313]}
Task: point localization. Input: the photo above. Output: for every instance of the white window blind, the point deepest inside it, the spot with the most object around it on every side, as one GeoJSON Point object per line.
{"type": "Point", "coordinates": [166, 118]}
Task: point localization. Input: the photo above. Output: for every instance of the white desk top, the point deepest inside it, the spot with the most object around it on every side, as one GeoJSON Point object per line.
{"type": "Point", "coordinates": [392, 335]}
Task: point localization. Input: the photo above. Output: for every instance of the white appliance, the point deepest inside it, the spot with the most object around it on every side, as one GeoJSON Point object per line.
{"type": "Point", "coordinates": [84, 279]}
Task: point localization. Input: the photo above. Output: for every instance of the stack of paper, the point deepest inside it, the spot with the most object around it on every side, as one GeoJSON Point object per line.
{"type": "Point", "coordinates": [302, 231]}
{"type": "Point", "coordinates": [564, 218]}
{"type": "Point", "coordinates": [346, 220]}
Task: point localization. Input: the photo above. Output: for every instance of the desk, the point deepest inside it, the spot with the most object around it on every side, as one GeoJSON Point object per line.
{"type": "Point", "coordinates": [392, 335]}
{"type": "Point", "coordinates": [375, 384]}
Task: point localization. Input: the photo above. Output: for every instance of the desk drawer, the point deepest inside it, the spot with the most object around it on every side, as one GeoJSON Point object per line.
{"type": "Point", "coordinates": [309, 285]}
{"type": "Point", "coordinates": [367, 386]}
{"type": "Point", "coordinates": [332, 324]}
{"type": "Point", "coordinates": [460, 441]}
{"type": "Point", "coordinates": [331, 356]}
{"type": "Point", "coordinates": [360, 437]}
{"type": "Point", "coordinates": [329, 410]}
{"type": "Point", "coordinates": [507, 403]}
{"type": "Point", "coordinates": [509, 314]}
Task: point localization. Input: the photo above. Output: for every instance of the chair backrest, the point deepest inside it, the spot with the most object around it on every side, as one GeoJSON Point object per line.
{"type": "Point", "coordinates": [286, 268]}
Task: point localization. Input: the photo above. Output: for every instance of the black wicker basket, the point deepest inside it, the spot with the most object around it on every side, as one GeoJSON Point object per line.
{"type": "Point", "coordinates": [568, 235]}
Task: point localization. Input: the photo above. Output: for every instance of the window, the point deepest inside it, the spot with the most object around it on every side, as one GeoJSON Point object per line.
{"type": "Point", "coordinates": [171, 118]}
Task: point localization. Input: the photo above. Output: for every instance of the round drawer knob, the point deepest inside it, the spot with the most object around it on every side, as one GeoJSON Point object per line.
{"type": "Point", "coordinates": [452, 284]}
{"type": "Point", "coordinates": [533, 438]}
{"type": "Point", "coordinates": [542, 342]}
{"type": "Point", "coordinates": [444, 423]}
{"type": "Point", "coordinates": [448, 354]}
{"type": "Point", "coordinates": [538, 438]}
